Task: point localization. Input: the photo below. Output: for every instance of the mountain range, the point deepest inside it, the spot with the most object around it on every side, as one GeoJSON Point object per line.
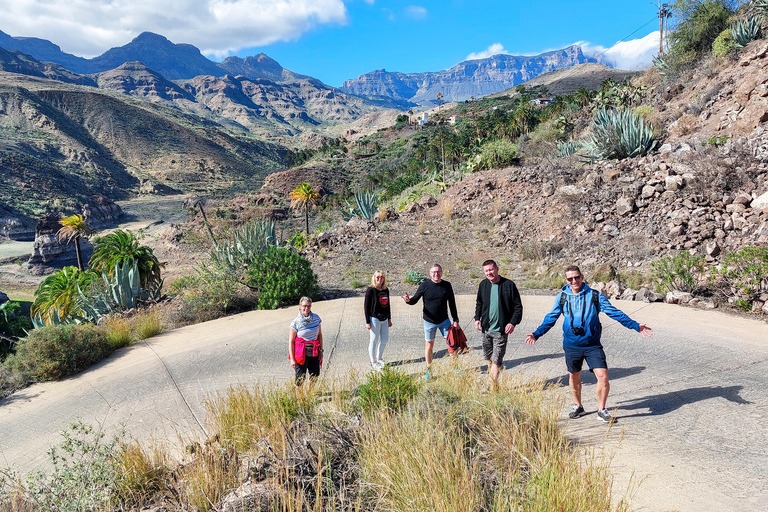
{"type": "Point", "coordinates": [476, 78]}
{"type": "Point", "coordinates": [382, 88]}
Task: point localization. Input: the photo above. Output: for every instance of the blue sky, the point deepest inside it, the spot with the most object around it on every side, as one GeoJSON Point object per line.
{"type": "Point", "coordinates": [334, 40]}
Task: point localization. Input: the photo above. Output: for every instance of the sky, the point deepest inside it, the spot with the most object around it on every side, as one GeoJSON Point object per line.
{"type": "Point", "coordinates": [336, 40]}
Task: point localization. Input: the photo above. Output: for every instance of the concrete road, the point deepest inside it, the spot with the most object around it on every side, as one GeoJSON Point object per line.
{"type": "Point", "coordinates": [692, 401]}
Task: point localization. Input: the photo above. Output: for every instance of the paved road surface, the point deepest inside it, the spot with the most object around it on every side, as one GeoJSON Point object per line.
{"type": "Point", "coordinates": [692, 401]}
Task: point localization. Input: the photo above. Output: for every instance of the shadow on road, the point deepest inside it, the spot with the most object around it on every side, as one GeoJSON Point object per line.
{"type": "Point", "coordinates": [588, 377]}
{"type": "Point", "coordinates": [668, 402]}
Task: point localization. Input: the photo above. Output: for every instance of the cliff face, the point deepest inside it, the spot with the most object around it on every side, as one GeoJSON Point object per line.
{"type": "Point", "coordinates": [469, 78]}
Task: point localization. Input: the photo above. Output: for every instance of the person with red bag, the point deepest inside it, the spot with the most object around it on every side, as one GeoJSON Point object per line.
{"type": "Point", "coordinates": [305, 342]}
{"type": "Point", "coordinates": [498, 310]}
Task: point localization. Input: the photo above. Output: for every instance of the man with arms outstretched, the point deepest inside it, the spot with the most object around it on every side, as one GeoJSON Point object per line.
{"type": "Point", "coordinates": [580, 306]}
{"type": "Point", "coordinates": [438, 297]}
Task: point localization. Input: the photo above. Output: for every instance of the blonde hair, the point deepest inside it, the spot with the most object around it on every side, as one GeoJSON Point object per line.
{"type": "Point", "coordinates": [375, 275]}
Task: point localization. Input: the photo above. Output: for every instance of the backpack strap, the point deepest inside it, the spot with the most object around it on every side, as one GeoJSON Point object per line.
{"type": "Point", "coordinates": [595, 300]}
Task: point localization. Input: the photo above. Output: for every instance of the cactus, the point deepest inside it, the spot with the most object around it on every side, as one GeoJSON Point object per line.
{"type": "Point", "coordinates": [745, 31]}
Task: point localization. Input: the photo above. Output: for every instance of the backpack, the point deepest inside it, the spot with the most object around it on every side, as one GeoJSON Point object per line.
{"type": "Point", "coordinates": [595, 300]}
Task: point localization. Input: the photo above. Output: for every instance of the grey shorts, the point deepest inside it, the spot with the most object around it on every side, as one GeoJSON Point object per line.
{"type": "Point", "coordinates": [494, 346]}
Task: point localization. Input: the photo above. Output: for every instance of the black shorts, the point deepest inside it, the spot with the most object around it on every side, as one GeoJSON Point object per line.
{"type": "Point", "coordinates": [311, 365]}
{"type": "Point", "coordinates": [574, 358]}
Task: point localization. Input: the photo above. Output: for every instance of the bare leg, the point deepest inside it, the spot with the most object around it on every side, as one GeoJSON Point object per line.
{"type": "Point", "coordinates": [574, 381]}
{"type": "Point", "coordinates": [428, 346]}
{"type": "Point", "coordinates": [603, 386]}
{"type": "Point", "coordinates": [494, 372]}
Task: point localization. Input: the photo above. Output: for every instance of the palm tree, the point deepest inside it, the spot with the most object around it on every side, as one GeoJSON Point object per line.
{"type": "Point", "coordinates": [58, 293]}
{"type": "Point", "coordinates": [74, 228]}
{"type": "Point", "coordinates": [306, 197]}
{"type": "Point", "coordinates": [583, 96]}
{"type": "Point", "coordinates": [118, 246]}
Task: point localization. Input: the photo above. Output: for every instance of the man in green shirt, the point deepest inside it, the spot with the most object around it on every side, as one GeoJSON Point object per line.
{"type": "Point", "coordinates": [498, 310]}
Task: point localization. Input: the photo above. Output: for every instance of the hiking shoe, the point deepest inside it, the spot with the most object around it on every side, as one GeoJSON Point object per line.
{"type": "Point", "coordinates": [381, 364]}
{"type": "Point", "coordinates": [428, 375]}
{"type": "Point", "coordinates": [577, 412]}
{"type": "Point", "coordinates": [604, 416]}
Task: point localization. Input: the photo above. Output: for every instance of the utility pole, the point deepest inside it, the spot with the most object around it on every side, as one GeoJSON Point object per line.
{"type": "Point", "coordinates": [664, 13]}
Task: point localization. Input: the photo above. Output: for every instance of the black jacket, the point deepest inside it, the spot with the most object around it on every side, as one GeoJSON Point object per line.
{"type": "Point", "coordinates": [510, 305]}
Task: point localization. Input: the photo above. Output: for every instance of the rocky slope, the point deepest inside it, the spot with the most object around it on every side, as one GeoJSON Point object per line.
{"type": "Point", "coordinates": [60, 144]}
{"type": "Point", "coordinates": [469, 78]}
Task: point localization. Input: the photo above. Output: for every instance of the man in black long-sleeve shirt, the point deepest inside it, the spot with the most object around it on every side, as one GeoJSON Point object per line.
{"type": "Point", "coordinates": [438, 297]}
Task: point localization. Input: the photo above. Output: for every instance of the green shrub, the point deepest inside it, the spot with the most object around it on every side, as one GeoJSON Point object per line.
{"type": "Point", "coordinates": [54, 352]}
{"type": "Point", "coordinates": [389, 389]}
{"type": "Point", "coordinates": [743, 275]}
{"type": "Point", "coordinates": [619, 134]}
{"type": "Point", "coordinates": [209, 294]}
{"type": "Point", "coordinates": [84, 475]}
{"type": "Point", "coordinates": [281, 278]}
{"type": "Point", "coordinates": [679, 272]}
{"type": "Point", "coordinates": [414, 277]}
{"type": "Point", "coordinates": [723, 44]}
{"type": "Point", "coordinates": [12, 325]}
{"type": "Point", "coordinates": [497, 154]}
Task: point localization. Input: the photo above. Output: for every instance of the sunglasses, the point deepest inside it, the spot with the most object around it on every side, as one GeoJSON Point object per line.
{"type": "Point", "coordinates": [574, 278]}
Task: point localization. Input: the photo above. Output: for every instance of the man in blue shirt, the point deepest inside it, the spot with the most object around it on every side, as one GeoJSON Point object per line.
{"type": "Point", "coordinates": [580, 307]}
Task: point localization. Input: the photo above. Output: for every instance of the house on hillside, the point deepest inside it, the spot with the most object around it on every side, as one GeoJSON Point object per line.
{"type": "Point", "coordinates": [452, 119]}
{"type": "Point", "coordinates": [424, 118]}
{"type": "Point", "coordinates": [541, 102]}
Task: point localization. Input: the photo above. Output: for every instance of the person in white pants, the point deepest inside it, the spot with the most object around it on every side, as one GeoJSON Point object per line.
{"type": "Point", "coordinates": [378, 319]}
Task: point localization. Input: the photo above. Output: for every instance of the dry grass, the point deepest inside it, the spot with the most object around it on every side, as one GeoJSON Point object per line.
{"type": "Point", "coordinates": [455, 446]}
{"type": "Point", "coordinates": [148, 323]}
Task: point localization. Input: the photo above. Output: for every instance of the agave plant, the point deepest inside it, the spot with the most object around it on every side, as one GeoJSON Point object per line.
{"type": "Point", "coordinates": [568, 148]}
{"type": "Point", "coordinates": [248, 243]}
{"type": "Point", "coordinates": [119, 290]}
{"type": "Point", "coordinates": [619, 134]}
{"type": "Point", "coordinates": [745, 31]}
{"type": "Point", "coordinates": [365, 205]}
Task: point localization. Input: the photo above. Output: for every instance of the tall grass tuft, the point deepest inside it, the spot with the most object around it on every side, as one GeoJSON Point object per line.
{"type": "Point", "coordinates": [148, 323]}
{"type": "Point", "coordinates": [119, 331]}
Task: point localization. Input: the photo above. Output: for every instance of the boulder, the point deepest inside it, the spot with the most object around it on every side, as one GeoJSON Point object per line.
{"type": "Point", "coordinates": [47, 249]}
{"type": "Point", "coordinates": [760, 203]}
{"type": "Point", "coordinates": [628, 294]}
{"type": "Point", "coordinates": [611, 230]}
{"type": "Point", "coordinates": [427, 201]}
{"type": "Point", "coordinates": [625, 206]}
{"type": "Point", "coordinates": [678, 297]}
{"type": "Point", "coordinates": [548, 189]}
{"type": "Point", "coordinates": [412, 207]}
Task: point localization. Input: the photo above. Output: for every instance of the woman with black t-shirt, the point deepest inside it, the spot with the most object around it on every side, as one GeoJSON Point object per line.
{"type": "Point", "coordinates": [378, 318]}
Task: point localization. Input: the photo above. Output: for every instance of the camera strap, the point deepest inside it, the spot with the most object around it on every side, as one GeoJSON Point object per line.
{"type": "Point", "coordinates": [564, 299]}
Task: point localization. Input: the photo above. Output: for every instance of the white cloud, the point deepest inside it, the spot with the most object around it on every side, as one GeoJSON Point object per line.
{"type": "Point", "coordinates": [494, 49]}
{"type": "Point", "coordinates": [217, 27]}
{"type": "Point", "coordinates": [416, 12]}
{"type": "Point", "coordinates": [633, 54]}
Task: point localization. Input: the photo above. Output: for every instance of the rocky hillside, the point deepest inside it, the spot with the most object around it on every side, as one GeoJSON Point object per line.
{"type": "Point", "coordinates": [60, 143]}
{"type": "Point", "coordinates": [704, 190]}
{"type": "Point", "coordinates": [476, 78]}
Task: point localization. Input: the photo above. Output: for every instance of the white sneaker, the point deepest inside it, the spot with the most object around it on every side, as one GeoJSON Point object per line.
{"type": "Point", "coordinates": [381, 363]}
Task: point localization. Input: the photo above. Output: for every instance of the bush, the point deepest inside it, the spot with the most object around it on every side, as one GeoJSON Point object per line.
{"type": "Point", "coordinates": [54, 352]}
{"type": "Point", "coordinates": [680, 272]}
{"type": "Point", "coordinates": [388, 389]}
{"type": "Point", "coordinates": [281, 278]}
{"type": "Point", "coordinates": [497, 154]}
{"type": "Point", "coordinates": [210, 294]}
{"type": "Point", "coordinates": [723, 44]}
{"type": "Point", "coordinates": [414, 277]}
{"type": "Point", "coordinates": [701, 22]}
{"type": "Point", "coordinates": [744, 275]}
{"type": "Point", "coordinates": [84, 475]}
